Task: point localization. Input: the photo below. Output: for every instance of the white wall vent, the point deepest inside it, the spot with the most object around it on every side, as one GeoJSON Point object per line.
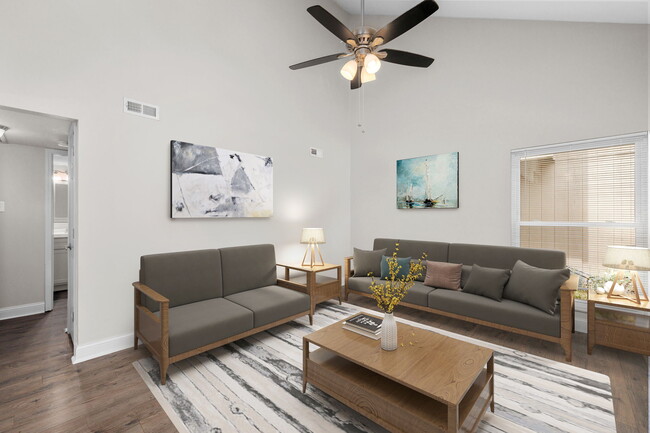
{"type": "Point", "coordinates": [142, 109]}
{"type": "Point", "coordinates": [315, 152]}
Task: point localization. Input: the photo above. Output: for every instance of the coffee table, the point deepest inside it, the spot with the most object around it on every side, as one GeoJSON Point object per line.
{"type": "Point", "coordinates": [431, 383]}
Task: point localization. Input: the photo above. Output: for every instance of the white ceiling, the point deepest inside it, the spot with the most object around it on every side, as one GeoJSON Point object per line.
{"type": "Point", "coordinates": [34, 129]}
{"type": "Point", "coordinates": [629, 12]}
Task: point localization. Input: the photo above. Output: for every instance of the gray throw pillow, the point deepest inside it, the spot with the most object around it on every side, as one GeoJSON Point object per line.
{"type": "Point", "coordinates": [365, 262]}
{"type": "Point", "coordinates": [536, 287]}
{"type": "Point", "coordinates": [488, 282]}
{"type": "Point", "coordinates": [464, 275]}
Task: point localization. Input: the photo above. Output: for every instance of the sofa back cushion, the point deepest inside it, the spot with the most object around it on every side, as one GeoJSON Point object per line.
{"type": "Point", "coordinates": [493, 256]}
{"type": "Point", "coordinates": [182, 277]}
{"type": "Point", "coordinates": [248, 267]}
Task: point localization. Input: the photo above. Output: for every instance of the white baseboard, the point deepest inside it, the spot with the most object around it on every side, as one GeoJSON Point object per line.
{"type": "Point", "coordinates": [581, 315]}
{"type": "Point", "coordinates": [22, 310]}
{"type": "Point", "coordinates": [85, 352]}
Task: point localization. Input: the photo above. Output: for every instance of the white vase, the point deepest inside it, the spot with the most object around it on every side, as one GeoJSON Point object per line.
{"type": "Point", "coordinates": [389, 332]}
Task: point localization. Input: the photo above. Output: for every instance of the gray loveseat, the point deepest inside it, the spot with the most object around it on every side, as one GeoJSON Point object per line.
{"type": "Point", "coordinates": [193, 301]}
{"type": "Point", "coordinates": [507, 315]}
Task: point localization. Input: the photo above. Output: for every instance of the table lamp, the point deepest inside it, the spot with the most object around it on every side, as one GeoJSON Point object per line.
{"type": "Point", "coordinates": [631, 259]}
{"type": "Point", "coordinates": [312, 237]}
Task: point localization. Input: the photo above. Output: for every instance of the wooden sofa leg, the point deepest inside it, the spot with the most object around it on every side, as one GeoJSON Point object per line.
{"type": "Point", "coordinates": [135, 342]}
{"type": "Point", "coordinates": [311, 319]}
{"type": "Point", "coordinates": [163, 372]}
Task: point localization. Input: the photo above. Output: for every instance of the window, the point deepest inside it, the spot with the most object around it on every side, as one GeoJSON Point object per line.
{"type": "Point", "coordinates": [581, 197]}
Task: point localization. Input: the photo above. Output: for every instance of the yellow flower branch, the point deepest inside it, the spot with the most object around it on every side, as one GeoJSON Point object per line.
{"type": "Point", "coordinates": [389, 293]}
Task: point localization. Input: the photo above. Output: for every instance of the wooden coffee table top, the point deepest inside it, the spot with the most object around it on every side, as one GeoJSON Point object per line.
{"type": "Point", "coordinates": [440, 367]}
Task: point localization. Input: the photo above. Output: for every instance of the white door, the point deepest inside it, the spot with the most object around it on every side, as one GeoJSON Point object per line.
{"type": "Point", "coordinates": [72, 232]}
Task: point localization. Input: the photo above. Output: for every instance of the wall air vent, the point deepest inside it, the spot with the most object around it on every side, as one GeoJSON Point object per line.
{"type": "Point", "coordinates": [142, 109]}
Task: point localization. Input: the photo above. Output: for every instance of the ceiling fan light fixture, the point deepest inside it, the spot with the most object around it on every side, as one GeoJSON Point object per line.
{"type": "Point", "coordinates": [367, 76]}
{"type": "Point", "coordinates": [349, 70]}
{"type": "Point", "coordinates": [371, 63]}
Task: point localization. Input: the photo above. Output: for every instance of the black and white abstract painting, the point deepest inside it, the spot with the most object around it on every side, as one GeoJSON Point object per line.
{"type": "Point", "coordinates": [208, 182]}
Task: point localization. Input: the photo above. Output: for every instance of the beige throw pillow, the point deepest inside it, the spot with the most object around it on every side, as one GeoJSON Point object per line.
{"type": "Point", "coordinates": [443, 275]}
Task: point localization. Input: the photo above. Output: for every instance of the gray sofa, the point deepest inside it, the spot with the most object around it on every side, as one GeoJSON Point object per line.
{"type": "Point", "coordinates": [507, 314]}
{"type": "Point", "coordinates": [193, 301]}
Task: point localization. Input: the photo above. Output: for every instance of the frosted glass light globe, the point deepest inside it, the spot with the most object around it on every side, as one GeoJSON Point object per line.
{"type": "Point", "coordinates": [371, 63]}
{"type": "Point", "coordinates": [349, 70]}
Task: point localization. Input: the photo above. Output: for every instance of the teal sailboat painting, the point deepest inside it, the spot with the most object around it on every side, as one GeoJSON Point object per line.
{"type": "Point", "coordinates": [428, 182]}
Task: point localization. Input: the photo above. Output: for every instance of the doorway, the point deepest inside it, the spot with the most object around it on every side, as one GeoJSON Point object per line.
{"type": "Point", "coordinates": [37, 209]}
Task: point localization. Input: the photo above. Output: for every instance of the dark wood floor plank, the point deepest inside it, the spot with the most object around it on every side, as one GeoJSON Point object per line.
{"type": "Point", "coordinates": [41, 391]}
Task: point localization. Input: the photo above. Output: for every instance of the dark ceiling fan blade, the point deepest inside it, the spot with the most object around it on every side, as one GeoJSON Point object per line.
{"type": "Point", "coordinates": [406, 58]}
{"type": "Point", "coordinates": [406, 21]}
{"type": "Point", "coordinates": [330, 22]}
{"type": "Point", "coordinates": [356, 81]}
{"type": "Point", "coordinates": [318, 61]}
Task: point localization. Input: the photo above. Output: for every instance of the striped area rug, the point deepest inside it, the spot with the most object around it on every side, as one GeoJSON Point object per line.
{"type": "Point", "coordinates": [255, 386]}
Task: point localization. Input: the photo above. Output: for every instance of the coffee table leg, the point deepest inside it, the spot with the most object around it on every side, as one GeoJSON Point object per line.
{"type": "Point", "coordinates": [305, 358]}
{"type": "Point", "coordinates": [490, 372]}
{"type": "Point", "coordinates": [452, 419]}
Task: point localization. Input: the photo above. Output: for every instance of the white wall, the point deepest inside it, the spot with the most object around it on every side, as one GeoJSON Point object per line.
{"type": "Point", "coordinates": [495, 85]}
{"type": "Point", "coordinates": [219, 72]}
{"type": "Point", "coordinates": [22, 229]}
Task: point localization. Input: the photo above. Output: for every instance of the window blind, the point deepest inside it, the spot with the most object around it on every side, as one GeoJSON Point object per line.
{"type": "Point", "coordinates": [580, 197]}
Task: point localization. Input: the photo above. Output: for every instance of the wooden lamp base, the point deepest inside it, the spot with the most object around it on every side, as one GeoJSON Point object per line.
{"type": "Point", "coordinates": [639, 291]}
{"type": "Point", "coordinates": [312, 262]}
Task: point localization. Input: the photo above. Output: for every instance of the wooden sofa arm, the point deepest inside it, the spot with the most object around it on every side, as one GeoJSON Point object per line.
{"type": "Point", "coordinates": [150, 328]}
{"type": "Point", "coordinates": [571, 284]}
{"type": "Point", "coordinates": [149, 292]}
{"type": "Point", "coordinates": [567, 314]}
{"type": "Point", "coordinates": [348, 266]}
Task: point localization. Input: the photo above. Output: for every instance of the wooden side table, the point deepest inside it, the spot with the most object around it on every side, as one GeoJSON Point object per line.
{"type": "Point", "coordinates": [626, 327]}
{"type": "Point", "coordinates": [319, 287]}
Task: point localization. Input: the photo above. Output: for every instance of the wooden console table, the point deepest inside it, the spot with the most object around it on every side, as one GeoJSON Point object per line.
{"type": "Point", "coordinates": [319, 287]}
{"type": "Point", "coordinates": [627, 327]}
{"type": "Point", "coordinates": [431, 383]}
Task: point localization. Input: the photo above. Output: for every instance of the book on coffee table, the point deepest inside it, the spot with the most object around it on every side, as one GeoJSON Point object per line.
{"type": "Point", "coordinates": [364, 324]}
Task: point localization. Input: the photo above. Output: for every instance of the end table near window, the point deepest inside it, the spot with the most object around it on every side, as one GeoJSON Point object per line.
{"type": "Point", "coordinates": [319, 287]}
{"type": "Point", "coordinates": [627, 327]}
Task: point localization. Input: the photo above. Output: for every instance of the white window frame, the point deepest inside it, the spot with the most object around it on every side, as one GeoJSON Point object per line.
{"type": "Point", "coordinates": [642, 199]}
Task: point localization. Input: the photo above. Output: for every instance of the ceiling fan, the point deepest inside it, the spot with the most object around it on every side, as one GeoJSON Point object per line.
{"type": "Point", "coordinates": [363, 44]}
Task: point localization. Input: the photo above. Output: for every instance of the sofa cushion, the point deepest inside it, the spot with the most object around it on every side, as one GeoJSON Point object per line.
{"type": "Point", "coordinates": [493, 256]}
{"type": "Point", "coordinates": [535, 286]}
{"type": "Point", "coordinates": [403, 265]}
{"type": "Point", "coordinates": [415, 295]}
{"type": "Point", "coordinates": [443, 275]}
{"type": "Point", "coordinates": [488, 282]}
{"type": "Point", "coordinates": [248, 267]}
{"type": "Point", "coordinates": [366, 262]}
{"type": "Point", "coordinates": [271, 303]}
{"type": "Point", "coordinates": [182, 277]}
{"type": "Point", "coordinates": [506, 312]}
{"type": "Point", "coordinates": [201, 323]}
{"type": "Point", "coordinates": [436, 251]}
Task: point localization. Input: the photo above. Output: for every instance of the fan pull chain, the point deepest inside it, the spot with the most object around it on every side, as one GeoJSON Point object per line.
{"type": "Point", "coordinates": [361, 110]}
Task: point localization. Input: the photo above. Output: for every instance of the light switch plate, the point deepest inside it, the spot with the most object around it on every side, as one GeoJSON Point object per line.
{"type": "Point", "coordinates": [2, 206]}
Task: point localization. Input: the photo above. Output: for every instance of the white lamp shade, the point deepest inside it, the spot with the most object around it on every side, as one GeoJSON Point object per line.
{"type": "Point", "coordinates": [366, 76]}
{"type": "Point", "coordinates": [312, 236]}
{"type": "Point", "coordinates": [349, 70]}
{"type": "Point", "coordinates": [371, 63]}
{"type": "Point", "coordinates": [627, 258]}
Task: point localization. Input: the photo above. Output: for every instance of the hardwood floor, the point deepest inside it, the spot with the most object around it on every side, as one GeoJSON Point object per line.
{"type": "Point", "coordinates": [41, 391]}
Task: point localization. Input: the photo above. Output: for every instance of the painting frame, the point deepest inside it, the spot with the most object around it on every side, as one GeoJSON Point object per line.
{"type": "Point", "coordinates": [211, 182]}
{"type": "Point", "coordinates": [428, 182]}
